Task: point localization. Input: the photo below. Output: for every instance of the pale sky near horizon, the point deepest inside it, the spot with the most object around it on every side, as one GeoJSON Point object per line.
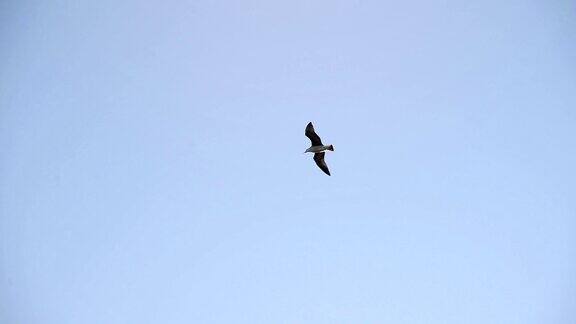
{"type": "Point", "coordinates": [152, 168]}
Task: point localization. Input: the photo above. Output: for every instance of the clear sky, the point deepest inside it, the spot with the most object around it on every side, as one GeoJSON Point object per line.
{"type": "Point", "coordinates": [151, 166]}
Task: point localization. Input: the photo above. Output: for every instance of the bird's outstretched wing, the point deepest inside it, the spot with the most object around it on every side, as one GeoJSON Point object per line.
{"type": "Point", "coordinates": [311, 134]}
{"type": "Point", "coordinates": [319, 159]}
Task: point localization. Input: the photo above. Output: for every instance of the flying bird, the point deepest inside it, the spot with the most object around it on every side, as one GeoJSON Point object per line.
{"type": "Point", "coordinates": [317, 148]}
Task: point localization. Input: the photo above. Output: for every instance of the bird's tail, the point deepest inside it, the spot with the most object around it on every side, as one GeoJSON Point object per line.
{"type": "Point", "coordinates": [331, 147]}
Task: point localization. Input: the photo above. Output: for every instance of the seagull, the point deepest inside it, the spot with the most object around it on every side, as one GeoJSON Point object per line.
{"type": "Point", "coordinates": [317, 148]}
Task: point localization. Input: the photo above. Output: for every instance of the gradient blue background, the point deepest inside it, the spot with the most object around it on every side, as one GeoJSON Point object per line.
{"type": "Point", "coordinates": [151, 167]}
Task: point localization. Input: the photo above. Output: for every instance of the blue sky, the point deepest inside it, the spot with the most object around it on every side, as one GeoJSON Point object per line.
{"type": "Point", "coordinates": [151, 167]}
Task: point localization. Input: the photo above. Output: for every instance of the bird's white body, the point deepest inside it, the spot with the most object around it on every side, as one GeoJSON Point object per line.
{"type": "Point", "coordinates": [319, 149]}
